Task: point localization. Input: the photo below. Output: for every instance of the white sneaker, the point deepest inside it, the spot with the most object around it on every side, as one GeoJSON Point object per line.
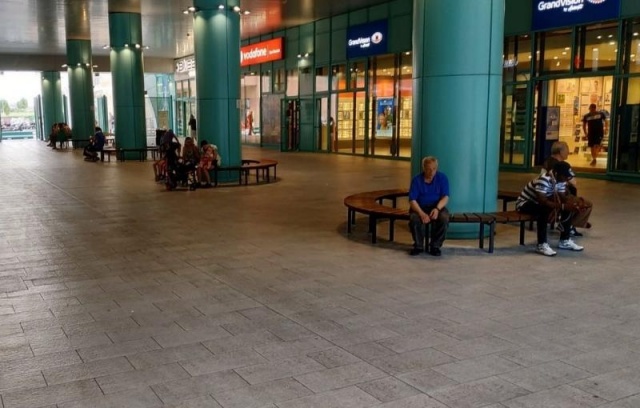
{"type": "Point", "coordinates": [545, 250]}
{"type": "Point", "coordinates": [569, 244]}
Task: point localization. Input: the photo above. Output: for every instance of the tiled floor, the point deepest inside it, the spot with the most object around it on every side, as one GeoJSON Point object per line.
{"type": "Point", "coordinates": [115, 293]}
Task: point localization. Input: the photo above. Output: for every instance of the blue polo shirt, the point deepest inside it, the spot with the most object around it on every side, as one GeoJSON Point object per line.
{"type": "Point", "coordinates": [428, 194]}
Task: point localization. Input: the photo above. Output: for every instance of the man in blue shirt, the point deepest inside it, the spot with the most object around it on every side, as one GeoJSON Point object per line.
{"type": "Point", "coordinates": [428, 197]}
{"type": "Point", "coordinates": [95, 145]}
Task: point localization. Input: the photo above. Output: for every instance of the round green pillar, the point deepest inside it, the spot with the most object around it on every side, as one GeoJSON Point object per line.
{"type": "Point", "coordinates": [52, 111]}
{"type": "Point", "coordinates": [80, 69]}
{"type": "Point", "coordinates": [127, 71]}
{"type": "Point", "coordinates": [457, 82]}
{"type": "Point", "coordinates": [80, 73]}
{"type": "Point", "coordinates": [217, 52]}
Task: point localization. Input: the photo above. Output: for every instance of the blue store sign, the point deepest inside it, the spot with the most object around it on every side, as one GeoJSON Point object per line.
{"type": "Point", "coordinates": [367, 39]}
{"type": "Point", "coordinates": [562, 13]}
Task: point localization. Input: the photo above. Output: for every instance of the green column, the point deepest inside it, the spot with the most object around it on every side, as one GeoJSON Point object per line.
{"type": "Point", "coordinates": [52, 111]}
{"type": "Point", "coordinates": [127, 71]}
{"type": "Point", "coordinates": [81, 88]}
{"type": "Point", "coordinates": [80, 69]}
{"type": "Point", "coordinates": [457, 80]}
{"type": "Point", "coordinates": [217, 53]}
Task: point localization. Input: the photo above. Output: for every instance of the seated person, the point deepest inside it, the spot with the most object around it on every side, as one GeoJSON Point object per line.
{"type": "Point", "coordinates": [190, 152]}
{"type": "Point", "coordinates": [208, 161]}
{"type": "Point", "coordinates": [560, 152]}
{"type": "Point", "coordinates": [96, 144]}
{"type": "Point", "coordinates": [428, 197]}
{"type": "Point", "coordinates": [53, 136]}
{"type": "Point", "coordinates": [543, 196]}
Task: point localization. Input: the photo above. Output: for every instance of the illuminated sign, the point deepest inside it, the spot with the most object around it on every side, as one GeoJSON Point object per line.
{"type": "Point", "coordinates": [367, 39]}
{"type": "Point", "coordinates": [561, 13]}
{"type": "Point", "coordinates": [186, 65]}
{"type": "Point", "coordinates": [264, 51]}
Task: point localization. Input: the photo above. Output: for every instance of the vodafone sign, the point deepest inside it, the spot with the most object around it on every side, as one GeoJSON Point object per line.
{"type": "Point", "coordinates": [264, 51]}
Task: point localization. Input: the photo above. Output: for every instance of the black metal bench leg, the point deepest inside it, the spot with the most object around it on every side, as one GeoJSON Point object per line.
{"type": "Point", "coordinates": [481, 236]}
{"type": "Point", "coordinates": [350, 216]}
{"type": "Point", "coordinates": [391, 229]}
{"type": "Point", "coordinates": [373, 229]}
{"type": "Point", "coordinates": [492, 235]}
{"type": "Point", "coordinates": [522, 227]}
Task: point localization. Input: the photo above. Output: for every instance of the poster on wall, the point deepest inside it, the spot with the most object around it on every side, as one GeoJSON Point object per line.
{"type": "Point", "coordinates": [553, 123]}
{"type": "Point", "coordinates": [385, 108]}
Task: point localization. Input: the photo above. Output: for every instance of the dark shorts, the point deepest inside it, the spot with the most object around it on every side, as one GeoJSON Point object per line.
{"type": "Point", "coordinates": [594, 140]}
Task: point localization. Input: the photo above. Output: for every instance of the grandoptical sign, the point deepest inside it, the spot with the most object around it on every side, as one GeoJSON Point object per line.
{"type": "Point", "coordinates": [264, 51]}
{"type": "Point", "coordinates": [562, 13]}
{"type": "Point", "coordinates": [367, 39]}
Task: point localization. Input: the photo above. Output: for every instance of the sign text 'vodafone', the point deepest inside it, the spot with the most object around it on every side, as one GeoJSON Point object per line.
{"type": "Point", "coordinates": [264, 51]}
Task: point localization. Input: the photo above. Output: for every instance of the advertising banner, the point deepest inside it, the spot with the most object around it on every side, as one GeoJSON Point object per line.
{"type": "Point", "coordinates": [384, 120]}
{"type": "Point", "coordinates": [367, 39]}
{"type": "Point", "coordinates": [562, 13]}
{"type": "Point", "coordinates": [264, 51]}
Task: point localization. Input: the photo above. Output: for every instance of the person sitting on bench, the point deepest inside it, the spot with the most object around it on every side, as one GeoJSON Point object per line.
{"type": "Point", "coordinates": [428, 197]}
{"type": "Point", "coordinates": [96, 144]}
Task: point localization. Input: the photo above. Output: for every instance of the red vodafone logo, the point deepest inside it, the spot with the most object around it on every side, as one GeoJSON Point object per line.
{"type": "Point", "coordinates": [264, 51]}
{"type": "Point", "coordinates": [596, 1]}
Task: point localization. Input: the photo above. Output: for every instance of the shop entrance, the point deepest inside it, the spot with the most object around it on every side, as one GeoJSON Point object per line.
{"type": "Point", "coordinates": [290, 139]}
{"type": "Point", "coordinates": [184, 108]}
{"type": "Point", "coordinates": [561, 106]}
{"type": "Point", "coordinates": [351, 123]}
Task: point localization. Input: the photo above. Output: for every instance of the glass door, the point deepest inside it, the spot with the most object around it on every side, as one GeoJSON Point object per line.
{"type": "Point", "coordinates": [290, 112]}
{"type": "Point", "coordinates": [324, 124]}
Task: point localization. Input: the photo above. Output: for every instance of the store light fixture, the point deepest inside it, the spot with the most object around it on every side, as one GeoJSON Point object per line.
{"type": "Point", "coordinates": [190, 10]}
{"type": "Point", "coordinates": [126, 46]}
{"type": "Point", "coordinates": [236, 9]}
{"type": "Point", "coordinates": [106, 47]}
{"type": "Point", "coordinates": [64, 66]}
{"type": "Point", "coordinates": [305, 55]}
{"type": "Point", "coordinates": [221, 7]}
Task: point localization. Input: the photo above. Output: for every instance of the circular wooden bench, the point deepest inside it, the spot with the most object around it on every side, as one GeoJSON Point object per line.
{"type": "Point", "coordinates": [262, 170]}
{"type": "Point", "coordinates": [372, 204]}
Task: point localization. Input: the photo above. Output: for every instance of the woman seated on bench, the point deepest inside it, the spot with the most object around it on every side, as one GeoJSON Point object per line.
{"type": "Point", "coordinates": [209, 159]}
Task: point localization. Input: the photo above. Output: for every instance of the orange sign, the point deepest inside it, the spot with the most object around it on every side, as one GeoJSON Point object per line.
{"type": "Point", "coordinates": [264, 51]}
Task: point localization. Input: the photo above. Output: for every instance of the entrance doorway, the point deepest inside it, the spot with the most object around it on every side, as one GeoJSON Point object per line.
{"type": "Point", "coordinates": [561, 107]}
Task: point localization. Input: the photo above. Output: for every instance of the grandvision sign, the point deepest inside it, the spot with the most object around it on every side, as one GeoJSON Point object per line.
{"type": "Point", "coordinates": [562, 13]}
{"type": "Point", "coordinates": [367, 39]}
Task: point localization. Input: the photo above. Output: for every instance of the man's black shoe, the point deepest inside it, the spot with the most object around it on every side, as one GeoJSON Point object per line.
{"type": "Point", "coordinates": [435, 251]}
{"type": "Point", "coordinates": [574, 232]}
{"type": "Point", "coordinates": [415, 251]}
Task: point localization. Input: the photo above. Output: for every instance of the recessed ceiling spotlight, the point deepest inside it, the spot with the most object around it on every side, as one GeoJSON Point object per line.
{"type": "Point", "coordinates": [221, 7]}
{"type": "Point", "coordinates": [106, 46]}
{"type": "Point", "coordinates": [191, 9]}
{"type": "Point", "coordinates": [63, 66]}
{"type": "Point", "coordinates": [185, 11]}
{"type": "Point", "coordinates": [246, 12]}
{"type": "Point", "coordinates": [236, 9]}
{"type": "Point", "coordinates": [137, 45]}
{"type": "Point", "coordinates": [126, 45]}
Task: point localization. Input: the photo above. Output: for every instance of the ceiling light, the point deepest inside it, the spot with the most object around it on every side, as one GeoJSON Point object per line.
{"type": "Point", "coordinates": [599, 37]}
{"type": "Point", "coordinates": [555, 57]}
{"type": "Point", "coordinates": [191, 9]}
{"type": "Point", "coordinates": [407, 53]}
{"type": "Point", "coordinates": [221, 7]}
{"type": "Point", "coordinates": [567, 48]}
{"type": "Point", "coordinates": [635, 34]}
{"type": "Point", "coordinates": [236, 9]}
{"type": "Point", "coordinates": [246, 12]}
{"type": "Point", "coordinates": [79, 64]}
{"type": "Point", "coordinates": [564, 53]}
{"type": "Point", "coordinates": [610, 35]}
{"type": "Point", "coordinates": [106, 46]}
{"type": "Point", "coordinates": [612, 43]}
{"type": "Point", "coordinates": [126, 45]}
{"type": "Point", "coordinates": [64, 65]}
{"type": "Point", "coordinates": [137, 45]}
{"type": "Point", "coordinates": [95, 66]}
{"type": "Point", "coordinates": [185, 11]}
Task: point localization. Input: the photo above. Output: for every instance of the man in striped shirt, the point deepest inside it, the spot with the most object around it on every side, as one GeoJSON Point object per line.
{"type": "Point", "coordinates": [541, 197]}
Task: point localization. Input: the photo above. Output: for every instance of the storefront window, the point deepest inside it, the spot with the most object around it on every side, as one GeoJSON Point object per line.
{"type": "Point", "coordinates": [357, 75]}
{"type": "Point", "coordinates": [598, 48]}
{"type": "Point", "coordinates": [279, 80]}
{"type": "Point", "coordinates": [632, 60]}
{"type": "Point", "coordinates": [517, 58]}
{"type": "Point", "coordinates": [627, 153]}
{"type": "Point", "coordinates": [338, 77]}
{"type": "Point", "coordinates": [513, 129]}
{"type": "Point", "coordinates": [322, 79]}
{"type": "Point", "coordinates": [383, 105]}
{"type": "Point", "coordinates": [250, 114]}
{"type": "Point", "coordinates": [192, 88]}
{"type": "Point", "coordinates": [405, 107]}
{"type": "Point", "coordinates": [292, 82]}
{"type": "Point", "coordinates": [554, 51]}
{"type": "Point", "coordinates": [266, 81]}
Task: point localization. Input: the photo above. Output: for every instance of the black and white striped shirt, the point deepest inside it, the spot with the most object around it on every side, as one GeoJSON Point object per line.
{"type": "Point", "coordinates": [544, 184]}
